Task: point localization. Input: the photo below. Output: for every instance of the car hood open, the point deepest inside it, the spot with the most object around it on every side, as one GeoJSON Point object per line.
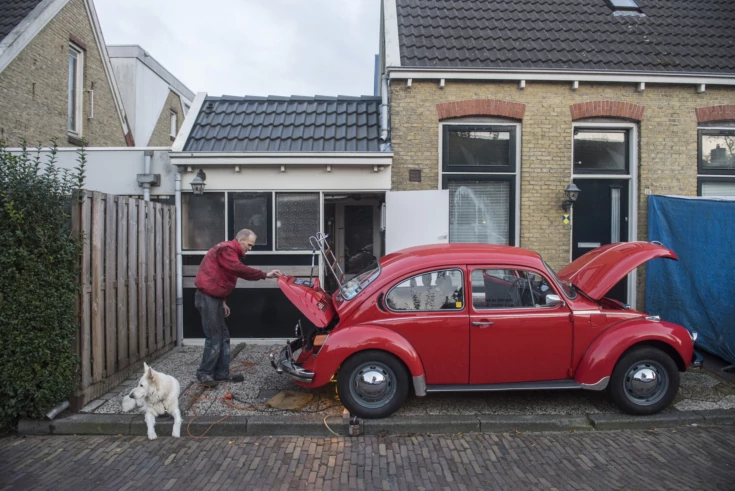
{"type": "Point", "coordinates": [599, 270]}
{"type": "Point", "coordinates": [309, 298]}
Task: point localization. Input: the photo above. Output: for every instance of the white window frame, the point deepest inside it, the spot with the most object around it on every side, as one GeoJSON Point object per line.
{"type": "Point", "coordinates": [517, 173]}
{"type": "Point", "coordinates": [702, 178]}
{"type": "Point", "coordinates": [173, 123]}
{"type": "Point", "coordinates": [76, 131]}
{"type": "Point", "coordinates": [631, 176]}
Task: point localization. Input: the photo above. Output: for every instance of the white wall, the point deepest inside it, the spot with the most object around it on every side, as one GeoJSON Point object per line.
{"type": "Point", "coordinates": [124, 70]}
{"type": "Point", "coordinates": [151, 97]}
{"type": "Point", "coordinates": [114, 170]}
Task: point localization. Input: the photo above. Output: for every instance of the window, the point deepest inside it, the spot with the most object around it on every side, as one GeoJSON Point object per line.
{"type": "Point", "coordinates": [174, 124]}
{"type": "Point", "coordinates": [202, 220]}
{"type": "Point", "coordinates": [508, 288]}
{"type": "Point", "coordinates": [253, 212]}
{"type": "Point", "coordinates": [716, 162]}
{"type": "Point", "coordinates": [297, 219]}
{"type": "Point", "coordinates": [600, 151]}
{"type": "Point", "coordinates": [75, 87]}
{"type": "Point", "coordinates": [433, 290]}
{"type": "Point", "coordinates": [479, 169]}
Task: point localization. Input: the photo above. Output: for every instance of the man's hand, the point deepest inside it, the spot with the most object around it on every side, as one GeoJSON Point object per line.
{"type": "Point", "coordinates": [273, 274]}
{"type": "Point", "coordinates": [227, 309]}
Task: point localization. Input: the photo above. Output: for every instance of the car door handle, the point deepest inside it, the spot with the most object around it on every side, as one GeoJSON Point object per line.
{"type": "Point", "coordinates": [483, 324]}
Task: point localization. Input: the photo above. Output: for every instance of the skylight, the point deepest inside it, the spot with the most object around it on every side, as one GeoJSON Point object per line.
{"type": "Point", "coordinates": [624, 7]}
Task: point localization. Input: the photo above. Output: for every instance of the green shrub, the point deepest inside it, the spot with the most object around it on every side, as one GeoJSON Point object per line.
{"type": "Point", "coordinates": [38, 283]}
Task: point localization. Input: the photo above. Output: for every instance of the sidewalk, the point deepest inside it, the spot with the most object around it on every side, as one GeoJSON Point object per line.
{"type": "Point", "coordinates": [703, 398]}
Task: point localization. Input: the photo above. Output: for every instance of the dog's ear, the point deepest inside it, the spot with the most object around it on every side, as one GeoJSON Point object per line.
{"type": "Point", "coordinates": [146, 368]}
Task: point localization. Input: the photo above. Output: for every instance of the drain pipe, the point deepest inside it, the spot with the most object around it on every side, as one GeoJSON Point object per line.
{"type": "Point", "coordinates": [384, 145]}
{"type": "Point", "coordinates": [147, 171]}
{"type": "Point", "coordinates": [179, 269]}
{"type": "Point", "coordinates": [56, 410]}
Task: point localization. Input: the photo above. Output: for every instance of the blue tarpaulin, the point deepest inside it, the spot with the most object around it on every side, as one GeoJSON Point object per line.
{"type": "Point", "coordinates": [698, 291]}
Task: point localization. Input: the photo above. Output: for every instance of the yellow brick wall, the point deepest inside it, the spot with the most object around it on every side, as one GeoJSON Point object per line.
{"type": "Point", "coordinates": [161, 136]}
{"type": "Point", "coordinates": [667, 145]}
{"type": "Point", "coordinates": [33, 87]}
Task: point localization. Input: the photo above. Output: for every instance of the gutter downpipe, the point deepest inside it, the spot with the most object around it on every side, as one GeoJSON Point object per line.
{"type": "Point", "coordinates": [179, 269]}
{"type": "Point", "coordinates": [147, 155]}
{"type": "Point", "coordinates": [384, 114]}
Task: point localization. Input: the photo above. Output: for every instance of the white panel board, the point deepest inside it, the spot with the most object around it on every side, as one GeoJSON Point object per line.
{"type": "Point", "coordinates": [416, 218]}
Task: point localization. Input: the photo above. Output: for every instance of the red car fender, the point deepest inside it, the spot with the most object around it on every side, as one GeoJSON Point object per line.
{"type": "Point", "coordinates": [342, 343]}
{"type": "Point", "coordinates": [601, 356]}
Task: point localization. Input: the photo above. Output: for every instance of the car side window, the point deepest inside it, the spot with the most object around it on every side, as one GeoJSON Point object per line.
{"type": "Point", "coordinates": [508, 288]}
{"type": "Point", "coordinates": [435, 290]}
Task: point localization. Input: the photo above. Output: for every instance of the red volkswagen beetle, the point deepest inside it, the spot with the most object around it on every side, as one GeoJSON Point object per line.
{"type": "Point", "coordinates": [473, 317]}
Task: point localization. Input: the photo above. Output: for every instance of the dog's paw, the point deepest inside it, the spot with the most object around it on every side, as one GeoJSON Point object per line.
{"type": "Point", "coordinates": [176, 434]}
{"type": "Point", "coordinates": [152, 436]}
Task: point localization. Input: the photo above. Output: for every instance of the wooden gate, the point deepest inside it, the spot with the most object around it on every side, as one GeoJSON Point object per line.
{"type": "Point", "coordinates": [127, 306]}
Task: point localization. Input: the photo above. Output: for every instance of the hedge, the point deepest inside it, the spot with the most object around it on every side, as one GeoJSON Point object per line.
{"type": "Point", "coordinates": [39, 260]}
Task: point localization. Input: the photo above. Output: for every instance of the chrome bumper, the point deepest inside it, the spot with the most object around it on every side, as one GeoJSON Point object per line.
{"type": "Point", "coordinates": [697, 360]}
{"type": "Point", "coordinates": [285, 363]}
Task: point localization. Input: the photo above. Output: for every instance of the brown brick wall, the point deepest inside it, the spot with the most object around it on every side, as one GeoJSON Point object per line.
{"type": "Point", "coordinates": [667, 144]}
{"type": "Point", "coordinates": [716, 113]}
{"type": "Point", "coordinates": [33, 87]}
{"type": "Point", "coordinates": [161, 136]}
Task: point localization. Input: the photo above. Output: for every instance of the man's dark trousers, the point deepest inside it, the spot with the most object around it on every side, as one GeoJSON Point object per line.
{"type": "Point", "coordinates": [216, 357]}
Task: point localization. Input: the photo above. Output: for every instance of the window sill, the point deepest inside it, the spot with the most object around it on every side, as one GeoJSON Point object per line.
{"type": "Point", "coordinates": [74, 139]}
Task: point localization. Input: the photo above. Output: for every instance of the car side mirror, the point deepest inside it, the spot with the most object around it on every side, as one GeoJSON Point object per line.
{"type": "Point", "coordinates": [553, 300]}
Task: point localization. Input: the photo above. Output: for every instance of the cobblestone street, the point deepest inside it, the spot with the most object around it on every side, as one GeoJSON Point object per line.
{"type": "Point", "coordinates": [680, 458]}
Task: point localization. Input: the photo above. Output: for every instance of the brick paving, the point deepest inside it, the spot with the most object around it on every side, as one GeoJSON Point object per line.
{"type": "Point", "coordinates": [681, 458]}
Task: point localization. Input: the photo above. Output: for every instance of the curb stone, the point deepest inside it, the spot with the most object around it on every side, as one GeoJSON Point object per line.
{"type": "Point", "coordinates": [313, 425]}
{"type": "Point", "coordinates": [663, 420]}
{"type": "Point", "coordinates": [533, 422]}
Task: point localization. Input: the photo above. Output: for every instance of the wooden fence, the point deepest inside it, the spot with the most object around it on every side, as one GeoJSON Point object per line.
{"type": "Point", "coordinates": [127, 306]}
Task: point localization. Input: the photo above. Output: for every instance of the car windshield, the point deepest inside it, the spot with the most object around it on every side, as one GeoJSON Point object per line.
{"type": "Point", "coordinates": [357, 284]}
{"type": "Point", "coordinates": [567, 287]}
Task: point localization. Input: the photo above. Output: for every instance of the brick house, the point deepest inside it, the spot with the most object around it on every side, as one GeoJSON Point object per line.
{"type": "Point", "coordinates": [155, 101]}
{"type": "Point", "coordinates": [496, 107]}
{"type": "Point", "coordinates": [56, 80]}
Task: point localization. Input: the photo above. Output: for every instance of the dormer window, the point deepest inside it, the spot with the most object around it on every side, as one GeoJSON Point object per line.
{"type": "Point", "coordinates": [625, 7]}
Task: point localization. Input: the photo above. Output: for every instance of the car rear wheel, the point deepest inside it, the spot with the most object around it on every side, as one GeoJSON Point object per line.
{"type": "Point", "coordinates": [645, 381]}
{"type": "Point", "coordinates": [372, 384]}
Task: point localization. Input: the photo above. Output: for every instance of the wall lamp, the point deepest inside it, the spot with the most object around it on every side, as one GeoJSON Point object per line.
{"type": "Point", "coordinates": [197, 184]}
{"type": "Point", "coordinates": [572, 193]}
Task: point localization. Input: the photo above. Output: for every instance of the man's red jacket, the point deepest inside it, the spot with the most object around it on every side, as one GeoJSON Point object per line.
{"type": "Point", "coordinates": [220, 268]}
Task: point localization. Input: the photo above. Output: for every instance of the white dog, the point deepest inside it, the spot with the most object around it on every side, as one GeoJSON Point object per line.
{"type": "Point", "coordinates": [156, 395]}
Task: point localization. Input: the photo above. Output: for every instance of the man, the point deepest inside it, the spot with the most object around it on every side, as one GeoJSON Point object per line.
{"type": "Point", "coordinates": [215, 280]}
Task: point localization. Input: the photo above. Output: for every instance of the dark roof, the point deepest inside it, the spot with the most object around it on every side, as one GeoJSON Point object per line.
{"type": "Point", "coordinates": [673, 36]}
{"type": "Point", "coordinates": [12, 12]}
{"type": "Point", "coordinates": [287, 124]}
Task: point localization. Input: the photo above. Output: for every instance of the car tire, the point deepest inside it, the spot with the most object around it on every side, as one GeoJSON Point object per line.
{"type": "Point", "coordinates": [383, 394]}
{"type": "Point", "coordinates": [645, 381]}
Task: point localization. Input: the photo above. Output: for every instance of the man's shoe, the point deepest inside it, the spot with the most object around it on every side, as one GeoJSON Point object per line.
{"type": "Point", "coordinates": [232, 377]}
{"type": "Point", "coordinates": [207, 380]}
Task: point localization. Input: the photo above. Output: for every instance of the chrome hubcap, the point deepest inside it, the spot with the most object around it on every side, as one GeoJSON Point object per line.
{"type": "Point", "coordinates": [646, 383]}
{"type": "Point", "coordinates": [372, 385]}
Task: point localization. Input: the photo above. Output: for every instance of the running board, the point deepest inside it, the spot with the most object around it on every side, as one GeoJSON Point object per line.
{"type": "Point", "coordinates": [548, 385]}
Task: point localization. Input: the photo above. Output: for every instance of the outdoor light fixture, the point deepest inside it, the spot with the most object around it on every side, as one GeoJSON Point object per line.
{"type": "Point", "coordinates": [571, 192]}
{"type": "Point", "coordinates": [197, 184]}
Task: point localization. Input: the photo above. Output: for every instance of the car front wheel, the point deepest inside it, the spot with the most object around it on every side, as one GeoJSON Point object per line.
{"type": "Point", "coordinates": [645, 381]}
{"type": "Point", "coordinates": [372, 384]}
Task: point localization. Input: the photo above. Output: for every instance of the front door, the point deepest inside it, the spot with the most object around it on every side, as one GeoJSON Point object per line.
{"type": "Point", "coordinates": [514, 336]}
{"type": "Point", "coordinates": [600, 214]}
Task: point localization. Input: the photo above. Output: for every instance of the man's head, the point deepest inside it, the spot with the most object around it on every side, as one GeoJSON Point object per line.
{"type": "Point", "coordinates": [246, 238]}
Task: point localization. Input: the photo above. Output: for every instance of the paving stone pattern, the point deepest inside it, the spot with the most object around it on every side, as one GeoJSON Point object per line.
{"type": "Point", "coordinates": [682, 458]}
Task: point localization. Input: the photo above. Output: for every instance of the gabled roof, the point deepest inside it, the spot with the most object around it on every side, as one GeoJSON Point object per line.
{"type": "Point", "coordinates": [28, 18]}
{"type": "Point", "coordinates": [286, 124]}
{"type": "Point", "coordinates": [673, 36]}
{"type": "Point", "coordinates": [12, 12]}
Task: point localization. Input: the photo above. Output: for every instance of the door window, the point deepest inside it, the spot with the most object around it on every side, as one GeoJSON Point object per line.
{"type": "Point", "coordinates": [508, 288]}
{"type": "Point", "coordinates": [433, 290]}
{"type": "Point", "coordinates": [600, 150]}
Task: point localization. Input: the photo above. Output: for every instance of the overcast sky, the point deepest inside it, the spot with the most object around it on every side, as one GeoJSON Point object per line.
{"type": "Point", "coordinates": [254, 47]}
